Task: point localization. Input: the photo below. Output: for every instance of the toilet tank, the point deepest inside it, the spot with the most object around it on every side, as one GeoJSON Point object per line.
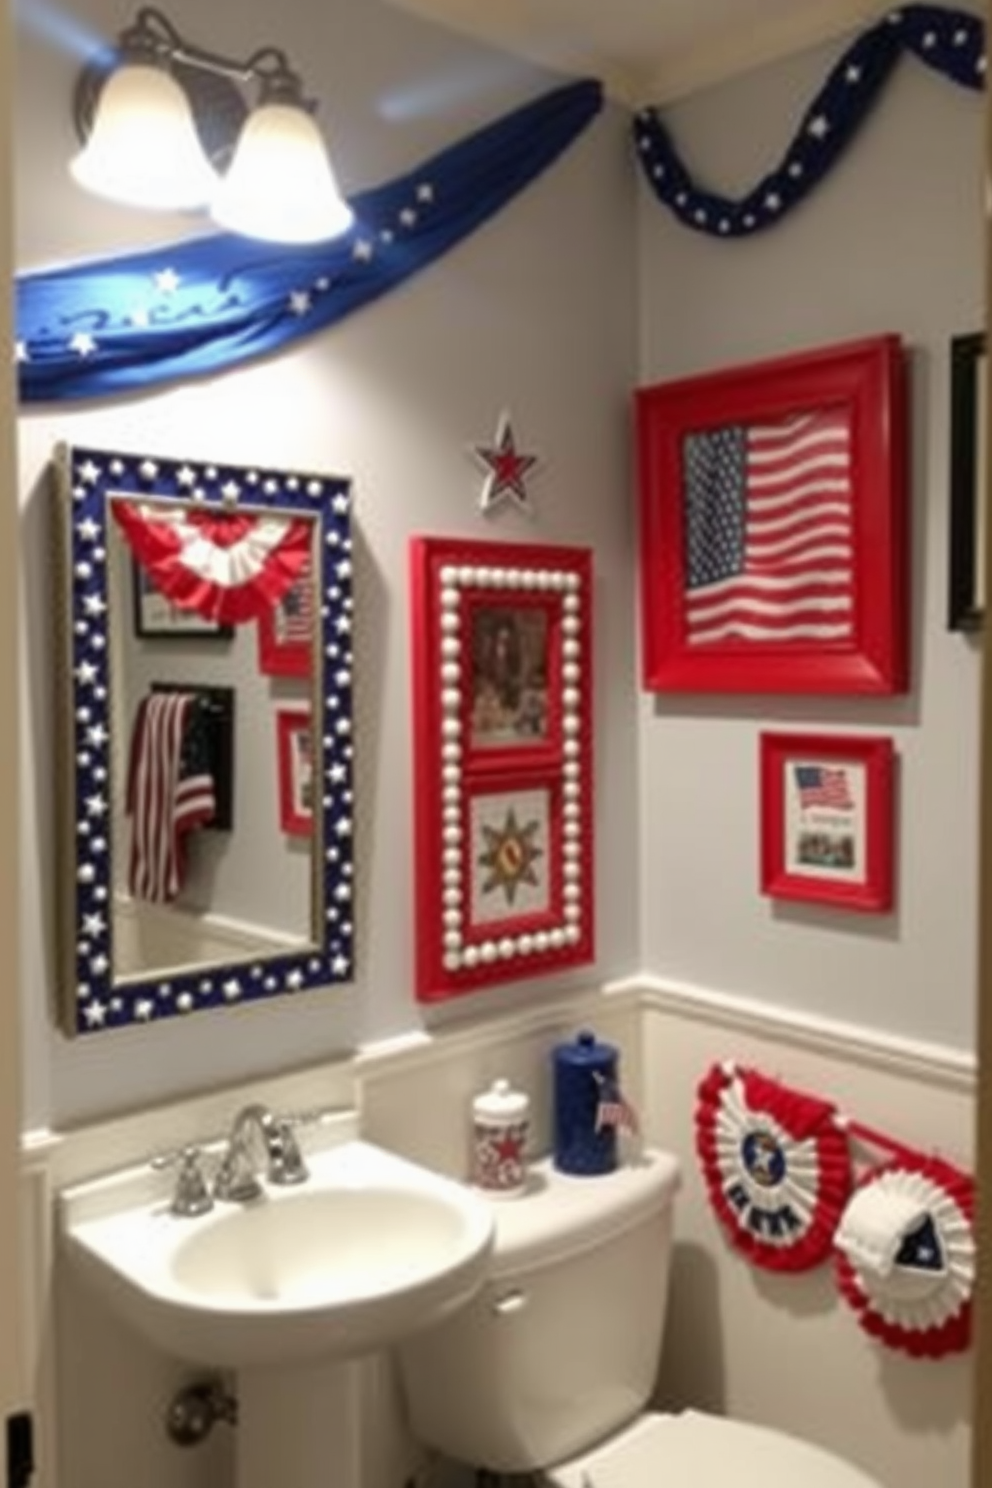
{"type": "Point", "coordinates": [561, 1346]}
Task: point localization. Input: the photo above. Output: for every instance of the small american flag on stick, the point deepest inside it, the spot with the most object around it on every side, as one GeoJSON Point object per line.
{"type": "Point", "coordinates": [612, 1107]}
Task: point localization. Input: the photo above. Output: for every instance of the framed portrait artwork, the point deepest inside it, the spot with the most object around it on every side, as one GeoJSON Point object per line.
{"type": "Point", "coordinates": [285, 631]}
{"type": "Point", "coordinates": [773, 525]}
{"type": "Point", "coordinates": [827, 819]}
{"type": "Point", "coordinates": [157, 617]}
{"type": "Point", "coordinates": [969, 389]}
{"type": "Point", "coordinates": [295, 761]}
{"type": "Point", "coordinates": [502, 704]}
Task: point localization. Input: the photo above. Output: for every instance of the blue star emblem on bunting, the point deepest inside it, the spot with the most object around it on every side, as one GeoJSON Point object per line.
{"type": "Point", "coordinates": [508, 468]}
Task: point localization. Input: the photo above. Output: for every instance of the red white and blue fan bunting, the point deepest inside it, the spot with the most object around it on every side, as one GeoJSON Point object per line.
{"type": "Point", "coordinates": [906, 1255]}
{"type": "Point", "coordinates": [226, 566]}
{"type": "Point", "coordinates": [776, 1164]}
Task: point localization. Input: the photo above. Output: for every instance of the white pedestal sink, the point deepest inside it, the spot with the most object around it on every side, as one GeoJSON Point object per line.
{"type": "Point", "coordinates": [289, 1290]}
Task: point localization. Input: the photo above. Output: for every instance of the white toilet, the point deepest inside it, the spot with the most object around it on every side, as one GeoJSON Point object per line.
{"type": "Point", "coordinates": [550, 1366]}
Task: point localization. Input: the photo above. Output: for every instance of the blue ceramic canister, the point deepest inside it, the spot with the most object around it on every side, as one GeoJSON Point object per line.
{"type": "Point", "coordinates": [583, 1144]}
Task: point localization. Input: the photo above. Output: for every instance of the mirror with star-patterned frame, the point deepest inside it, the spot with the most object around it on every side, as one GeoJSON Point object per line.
{"type": "Point", "coordinates": [241, 911]}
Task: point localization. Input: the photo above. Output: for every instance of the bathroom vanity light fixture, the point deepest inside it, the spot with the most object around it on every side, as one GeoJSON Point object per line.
{"type": "Point", "coordinates": [166, 125]}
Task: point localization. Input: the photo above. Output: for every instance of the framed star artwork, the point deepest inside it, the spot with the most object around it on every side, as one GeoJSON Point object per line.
{"type": "Point", "coordinates": [502, 703]}
{"type": "Point", "coordinates": [774, 525]}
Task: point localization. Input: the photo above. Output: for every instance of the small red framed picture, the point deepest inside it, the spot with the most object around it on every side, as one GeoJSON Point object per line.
{"type": "Point", "coordinates": [502, 703]}
{"type": "Point", "coordinates": [773, 525]}
{"type": "Point", "coordinates": [286, 630]}
{"type": "Point", "coordinates": [295, 758]}
{"type": "Point", "coordinates": [827, 819]}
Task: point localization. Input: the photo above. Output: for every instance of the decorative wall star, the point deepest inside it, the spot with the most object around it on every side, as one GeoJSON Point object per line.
{"type": "Point", "coordinates": [507, 468]}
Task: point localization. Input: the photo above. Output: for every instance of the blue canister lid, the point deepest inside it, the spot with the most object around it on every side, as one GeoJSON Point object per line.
{"type": "Point", "coordinates": [586, 1052]}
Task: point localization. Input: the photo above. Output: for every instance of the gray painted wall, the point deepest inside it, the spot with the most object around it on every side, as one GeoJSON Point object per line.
{"type": "Point", "coordinates": [535, 314]}
{"type": "Point", "coordinates": [539, 313]}
{"type": "Point", "coordinates": [892, 242]}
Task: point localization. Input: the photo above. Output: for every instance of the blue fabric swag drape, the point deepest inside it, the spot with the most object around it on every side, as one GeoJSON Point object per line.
{"type": "Point", "coordinates": [201, 306]}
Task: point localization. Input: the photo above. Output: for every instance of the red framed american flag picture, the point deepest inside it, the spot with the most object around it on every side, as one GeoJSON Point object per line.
{"type": "Point", "coordinates": [827, 819]}
{"type": "Point", "coordinates": [294, 747]}
{"type": "Point", "coordinates": [773, 524]}
{"type": "Point", "coordinates": [502, 733]}
{"type": "Point", "coordinates": [286, 631]}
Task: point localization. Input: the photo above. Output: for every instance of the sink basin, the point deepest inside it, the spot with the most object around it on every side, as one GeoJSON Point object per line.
{"type": "Point", "coordinates": [369, 1249]}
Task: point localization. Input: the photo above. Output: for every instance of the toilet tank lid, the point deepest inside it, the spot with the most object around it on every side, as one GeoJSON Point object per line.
{"type": "Point", "coordinates": [561, 1213]}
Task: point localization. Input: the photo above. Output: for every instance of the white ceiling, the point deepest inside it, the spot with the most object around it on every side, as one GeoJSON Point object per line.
{"type": "Point", "coordinates": [650, 51]}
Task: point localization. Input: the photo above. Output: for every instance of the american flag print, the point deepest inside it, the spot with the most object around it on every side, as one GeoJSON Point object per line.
{"type": "Point", "coordinates": [770, 532]}
{"type": "Point", "coordinates": [294, 612]}
{"type": "Point", "coordinates": [820, 785]}
{"type": "Point", "coordinates": [170, 792]}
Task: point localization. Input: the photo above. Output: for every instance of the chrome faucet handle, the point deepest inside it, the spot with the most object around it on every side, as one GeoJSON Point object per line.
{"type": "Point", "coordinates": [191, 1195]}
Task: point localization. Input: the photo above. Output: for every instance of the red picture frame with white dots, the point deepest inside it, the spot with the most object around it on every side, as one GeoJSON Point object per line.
{"type": "Point", "coordinates": [503, 758]}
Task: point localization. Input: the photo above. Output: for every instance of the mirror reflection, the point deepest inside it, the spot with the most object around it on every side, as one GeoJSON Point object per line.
{"type": "Point", "coordinates": [209, 825]}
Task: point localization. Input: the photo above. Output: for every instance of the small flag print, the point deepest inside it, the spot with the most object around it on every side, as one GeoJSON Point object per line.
{"type": "Point", "coordinates": [820, 785]}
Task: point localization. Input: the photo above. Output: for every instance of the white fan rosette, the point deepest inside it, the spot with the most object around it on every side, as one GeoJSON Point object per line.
{"type": "Point", "coordinates": [906, 1256]}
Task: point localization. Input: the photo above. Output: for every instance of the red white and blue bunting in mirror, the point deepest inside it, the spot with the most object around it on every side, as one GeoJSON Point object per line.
{"type": "Point", "coordinates": [228, 566]}
{"type": "Point", "coordinates": [952, 42]}
{"type": "Point", "coordinates": [778, 1166]}
{"type": "Point", "coordinates": [282, 506]}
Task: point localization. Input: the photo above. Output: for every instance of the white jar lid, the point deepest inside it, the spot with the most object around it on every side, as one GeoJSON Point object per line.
{"type": "Point", "coordinates": [501, 1103]}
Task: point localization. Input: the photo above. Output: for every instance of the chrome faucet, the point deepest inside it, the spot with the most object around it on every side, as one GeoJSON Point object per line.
{"type": "Point", "coordinates": [237, 1179]}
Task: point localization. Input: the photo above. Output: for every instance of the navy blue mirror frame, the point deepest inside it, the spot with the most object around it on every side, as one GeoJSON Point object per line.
{"type": "Point", "coordinates": [91, 999]}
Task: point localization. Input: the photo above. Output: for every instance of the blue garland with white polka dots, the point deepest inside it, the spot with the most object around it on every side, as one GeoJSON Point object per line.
{"type": "Point", "coordinates": [952, 42]}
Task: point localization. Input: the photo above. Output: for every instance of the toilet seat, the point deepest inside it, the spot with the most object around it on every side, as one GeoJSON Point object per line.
{"type": "Point", "coordinates": [695, 1450]}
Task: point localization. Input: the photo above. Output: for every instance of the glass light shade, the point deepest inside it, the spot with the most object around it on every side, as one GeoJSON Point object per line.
{"type": "Point", "coordinates": [143, 148]}
{"type": "Point", "coordinates": [280, 185]}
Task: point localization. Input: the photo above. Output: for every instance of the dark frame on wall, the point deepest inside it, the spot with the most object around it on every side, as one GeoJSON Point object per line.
{"type": "Point", "coordinates": [966, 588]}
{"type": "Point", "coordinates": [157, 618]}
